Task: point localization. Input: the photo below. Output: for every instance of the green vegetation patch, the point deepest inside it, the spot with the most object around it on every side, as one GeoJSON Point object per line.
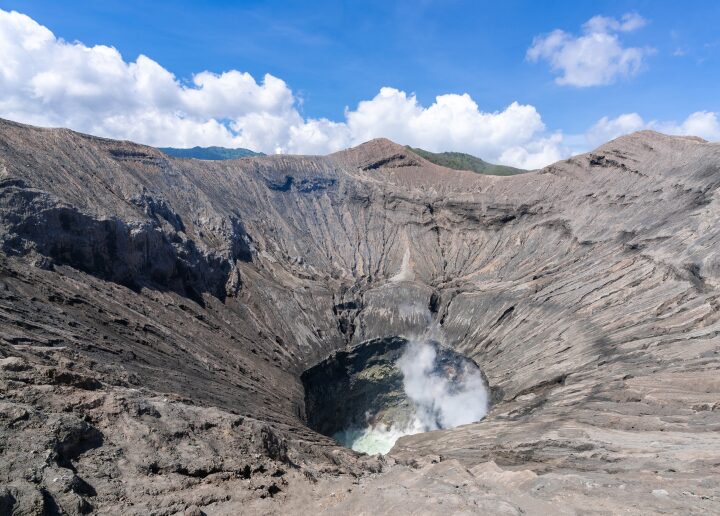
{"type": "Point", "coordinates": [210, 153]}
{"type": "Point", "coordinates": [462, 161]}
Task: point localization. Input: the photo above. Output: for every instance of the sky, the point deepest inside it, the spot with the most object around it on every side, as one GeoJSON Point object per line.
{"type": "Point", "coordinates": [522, 83]}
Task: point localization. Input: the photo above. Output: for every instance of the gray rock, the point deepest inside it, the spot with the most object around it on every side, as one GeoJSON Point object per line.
{"type": "Point", "coordinates": [156, 316]}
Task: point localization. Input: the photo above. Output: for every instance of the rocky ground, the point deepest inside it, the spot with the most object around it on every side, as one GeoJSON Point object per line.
{"type": "Point", "coordinates": [156, 315]}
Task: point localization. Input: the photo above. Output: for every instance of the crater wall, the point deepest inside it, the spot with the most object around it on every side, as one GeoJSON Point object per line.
{"type": "Point", "coordinates": [587, 291]}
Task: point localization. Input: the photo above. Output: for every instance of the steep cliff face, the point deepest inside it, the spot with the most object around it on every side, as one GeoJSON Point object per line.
{"type": "Point", "coordinates": [156, 315]}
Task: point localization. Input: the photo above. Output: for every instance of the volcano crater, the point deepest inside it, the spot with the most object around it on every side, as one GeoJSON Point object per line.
{"type": "Point", "coordinates": [370, 395]}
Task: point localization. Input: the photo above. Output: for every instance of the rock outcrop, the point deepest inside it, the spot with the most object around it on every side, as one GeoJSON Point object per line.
{"type": "Point", "coordinates": [156, 316]}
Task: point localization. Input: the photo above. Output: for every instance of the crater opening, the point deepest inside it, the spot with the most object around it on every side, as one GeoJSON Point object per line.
{"type": "Point", "coordinates": [368, 397]}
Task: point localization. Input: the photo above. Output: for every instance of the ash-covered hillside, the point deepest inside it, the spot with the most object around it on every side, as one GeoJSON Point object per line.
{"type": "Point", "coordinates": [157, 314]}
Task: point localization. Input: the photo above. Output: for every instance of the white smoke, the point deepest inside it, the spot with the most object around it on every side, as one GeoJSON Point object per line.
{"type": "Point", "coordinates": [441, 397]}
{"type": "Point", "coordinates": [440, 401]}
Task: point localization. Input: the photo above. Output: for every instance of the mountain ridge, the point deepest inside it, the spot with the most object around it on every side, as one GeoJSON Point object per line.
{"type": "Point", "coordinates": [213, 153]}
{"type": "Point", "coordinates": [156, 315]}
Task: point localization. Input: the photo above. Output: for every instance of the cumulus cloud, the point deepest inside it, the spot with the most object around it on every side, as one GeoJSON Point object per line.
{"type": "Point", "coordinates": [628, 22]}
{"type": "Point", "coordinates": [514, 136]}
{"type": "Point", "coordinates": [705, 124]}
{"type": "Point", "coordinates": [607, 129]}
{"type": "Point", "coordinates": [596, 57]}
{"type": "Point", "coordinates": [47, 81]}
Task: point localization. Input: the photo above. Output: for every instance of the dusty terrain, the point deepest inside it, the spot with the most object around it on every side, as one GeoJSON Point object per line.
{"type": "Point", "coordinates": [156, 315]}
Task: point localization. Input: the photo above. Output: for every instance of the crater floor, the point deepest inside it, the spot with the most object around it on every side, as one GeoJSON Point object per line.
{"type": "Point", "coordinates": [157, 315]}
{"type": "Point", "coordinates": [380, 390]}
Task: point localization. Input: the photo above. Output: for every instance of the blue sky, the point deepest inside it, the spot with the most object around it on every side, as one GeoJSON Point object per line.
{"type": "Point", "coordinates": [333, 55]}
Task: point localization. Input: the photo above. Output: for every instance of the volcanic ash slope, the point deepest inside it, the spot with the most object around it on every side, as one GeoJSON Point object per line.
{"type": "Point", "coordinates": [156, 315]}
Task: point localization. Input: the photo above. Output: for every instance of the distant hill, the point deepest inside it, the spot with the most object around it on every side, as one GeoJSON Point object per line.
{"type": "Point", "coordinates": [209, 153]}
{"type": "Point", "coordinates": [462, 161]}
{"type": "Point", "coordinates": [454, 160]}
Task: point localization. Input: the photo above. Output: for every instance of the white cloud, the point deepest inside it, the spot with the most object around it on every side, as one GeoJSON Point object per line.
{"type": "Point", "coordinates": [607, 129]}
{"type": "Point", "coordinates": [50, 82]}
{"type": "Point", "coordinates": [597, 57]}
{"type": "Point", "coordinates": [537, 153]}
{"type": "Point", "coordinates": [704, 124]}
{"type": "Point", "coordinates": [629, 22]}
{"type": "Point", "coordinates": [513, 136]}
{"type": "Point", "coordinates": [47, 81]}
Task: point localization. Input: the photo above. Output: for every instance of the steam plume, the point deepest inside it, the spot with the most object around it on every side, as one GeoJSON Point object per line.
{"type": "Point", "coordinates": [441, 402]}
{"type": "Point", "coordinates": [442, 397]}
